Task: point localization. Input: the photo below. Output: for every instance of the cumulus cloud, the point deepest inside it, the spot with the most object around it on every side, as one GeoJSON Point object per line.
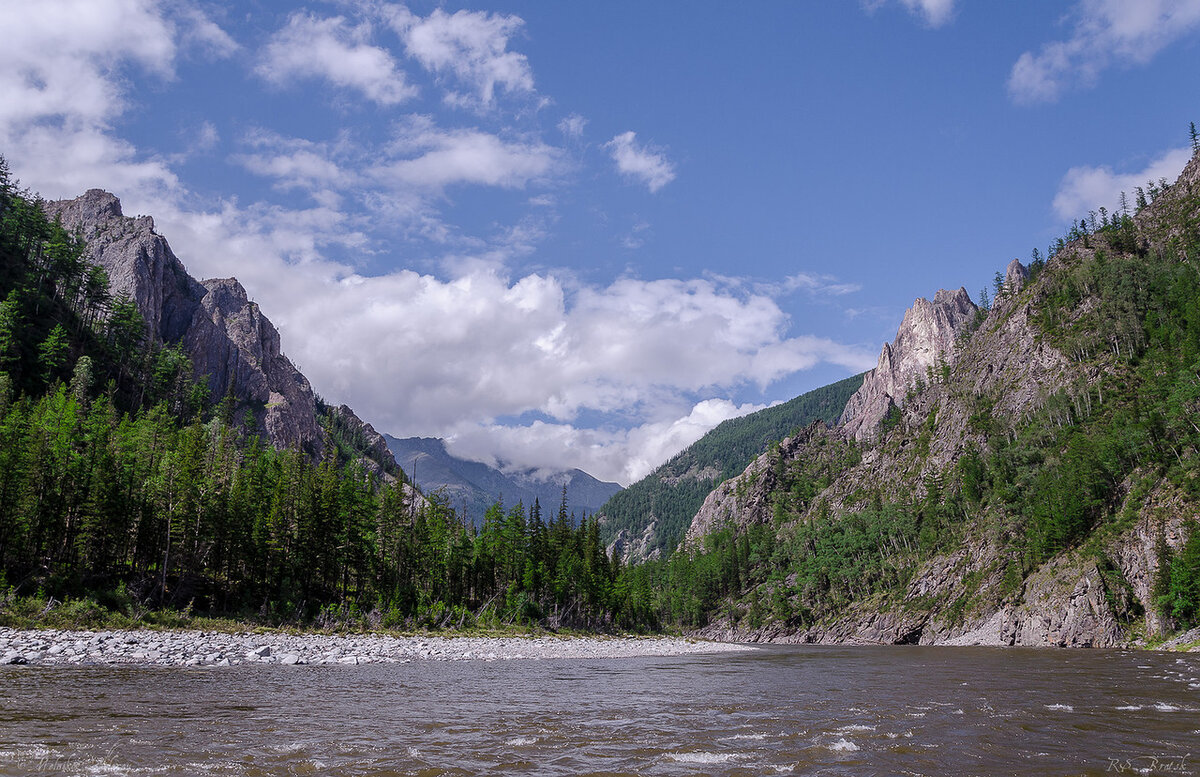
{"type": "Point", "coordinates": [1104, 33]}
{"type": "Point", "coordinates": [432, 157]}
{"type": "Point", "coordinates": [422, 355]}
{"type": "Point", "coordinates": [469, 46]}
{"type": "Point", "coordinates": [413, 352]}
{"type": "Point", "coordinates": [62, 78]}
{"type": "Point", "coordinates": [336, 51]}
{"type": "Point", "coordinates": [633, 160]}
{"type": "Point", "coordinates": [57, 59]}
{"type": "Point", "coordinates": [1089, 188]}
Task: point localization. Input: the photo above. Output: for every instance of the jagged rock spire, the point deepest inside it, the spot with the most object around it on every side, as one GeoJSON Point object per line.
{"type": "Point", "coordinates": [925, 338]}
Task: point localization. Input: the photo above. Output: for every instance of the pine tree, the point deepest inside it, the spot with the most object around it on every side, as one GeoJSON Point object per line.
{"type": "Point", "coordinates": [1195, 138]}
{"type": "Point", "coordinates": [10, 326]}
{"type": "Point", "coordinates": [52, 352]}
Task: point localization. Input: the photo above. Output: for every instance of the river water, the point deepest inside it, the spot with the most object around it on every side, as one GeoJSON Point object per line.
{"type": "Point", "coordinates": [778, 710]}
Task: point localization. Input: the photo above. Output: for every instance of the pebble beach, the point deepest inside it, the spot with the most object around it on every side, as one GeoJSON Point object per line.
{"type": "Point", "coordinates": [200, 648]}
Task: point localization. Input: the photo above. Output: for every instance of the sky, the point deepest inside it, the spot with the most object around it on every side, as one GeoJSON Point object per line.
{"type": "Point", "coordinates": [582, 234]}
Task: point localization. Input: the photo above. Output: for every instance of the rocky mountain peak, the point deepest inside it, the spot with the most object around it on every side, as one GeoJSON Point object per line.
{"type": "Point", "coordinates": [94, 208]}
{"type": "Point", "coordinates": [138, 261]}
{"type": "Point", "coordinates": [227, 337]}
{"type": "Point", "coordinates": [926, 336]}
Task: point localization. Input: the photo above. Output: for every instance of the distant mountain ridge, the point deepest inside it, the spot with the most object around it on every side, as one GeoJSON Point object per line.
{"type": "Point", "coordinates": [471, 486]}
{"type": "Point", "coordinates": [648, 518]}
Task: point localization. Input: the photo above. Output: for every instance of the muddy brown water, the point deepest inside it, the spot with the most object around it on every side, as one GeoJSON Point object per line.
{"type": "Point", "coordinates": [779, 710]}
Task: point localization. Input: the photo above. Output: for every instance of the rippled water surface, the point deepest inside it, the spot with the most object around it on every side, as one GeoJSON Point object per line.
{"type": "Point", "coordinates": [802, 710]}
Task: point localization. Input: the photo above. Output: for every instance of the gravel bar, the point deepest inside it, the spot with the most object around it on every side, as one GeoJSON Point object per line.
{"type": "Point", "coordinates": [207, 648]}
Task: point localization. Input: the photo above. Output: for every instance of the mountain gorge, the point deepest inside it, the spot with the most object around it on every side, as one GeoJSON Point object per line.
{"type": "Point", "coordinates": [1020, 475]}
{"type": "Point", "coordinates": [1020, 472]}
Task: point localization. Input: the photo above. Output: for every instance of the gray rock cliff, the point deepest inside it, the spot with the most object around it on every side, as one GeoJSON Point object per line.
{"type": "Point", "coordinates": [228, 339]}
{"type": "Point", "coordinates": [925, 338]}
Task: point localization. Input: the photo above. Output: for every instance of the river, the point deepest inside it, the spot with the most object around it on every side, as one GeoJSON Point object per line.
{"type": "Point", "coordinates": [778, 710]}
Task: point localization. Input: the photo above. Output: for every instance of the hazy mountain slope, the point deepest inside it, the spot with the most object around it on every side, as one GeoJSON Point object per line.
{"type": "Point", "coordinates": [472, 487]}
{"type": "Point", "coordinates": [650, 516]}
{"type": "Point", "coordinates": [1042, 487]}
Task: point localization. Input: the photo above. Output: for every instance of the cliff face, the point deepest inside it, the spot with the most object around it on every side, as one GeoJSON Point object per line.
{"type": "Point", "coordinates": [228, 339]}
{"type": "Point", "coordinates": [923, 343]}
{"type": "Point", "coordinates": [138, 261]}
{"type": "Point", "coordinates": [1042, 394]}
{"type": "Point", "coordinates": [237, 347]}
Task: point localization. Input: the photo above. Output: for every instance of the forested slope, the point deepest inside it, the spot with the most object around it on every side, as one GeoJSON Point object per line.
{"type": "Point", "coordinates": [1041, 487]}
{"type": "Point", "coordinates": [650, 517]}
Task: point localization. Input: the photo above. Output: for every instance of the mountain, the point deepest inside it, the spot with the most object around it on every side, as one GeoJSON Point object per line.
{"type": "Point", "coordinates": [1037, 483]}
{"type": "Point", "coordinates": [647, 519]}
{"type": "Point", "coordinates": [232, 346]}
{"type": "Point", "coordinates": [473, 487]}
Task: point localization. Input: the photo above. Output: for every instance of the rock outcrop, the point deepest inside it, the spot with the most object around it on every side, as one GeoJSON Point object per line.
{"type": "Point", "coordinates": [237, 347]}
{"type": "Point", "coordinates": [924, 341]}
{"type": "Point", "coordinates": [230, 342]}
{"type": "Point", "coordinates": [137, 259]}
{"type": "Point", "coordinates": [633, 548]}
{"type": "Point", "coordinates": [745, 500]}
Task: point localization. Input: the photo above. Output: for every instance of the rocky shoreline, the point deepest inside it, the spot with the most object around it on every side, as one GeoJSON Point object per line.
{"type": "Point", "coordinates": [208, 648]}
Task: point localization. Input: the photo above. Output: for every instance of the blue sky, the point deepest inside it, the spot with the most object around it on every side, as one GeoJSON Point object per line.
{"type": "Point", "coordinates": [582, 234]}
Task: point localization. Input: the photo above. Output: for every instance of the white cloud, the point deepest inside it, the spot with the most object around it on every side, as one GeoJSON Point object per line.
{"type": "Point", "coordinates": [61, 58]}
{"type": "Point", "coordinates": [420, 355]}
{"type": "Point", "coordinates": [63, 81]}
{"type": "Point", "coordinates": [624, 456]}
{"type": "Point", "coordinates": [293, 162]}
{"type": "Point", "coordinates": [332, 49]}
{"type": "Point", "coordinates": [935, 12]}
{"type": "Point", "coordinates": [1105, 32]}
{"type": "Point", "coordinates": [1090, 188]}
{"type": "Point", "coordinates": [201, 32]}
{"type": "Point", "coordinates": [207, 137]}
{"type": "Point", "coordinates": [472, 46]}
{"type": "Point", "coordinates": [650, 166]}
{"type": "Point", "coordinates": [412, 352]}
{"type": "Point", "coordinates": [435, 158]}
{"type": "Point", "coordinates": [818, 284]}
{"type": "Point", "coordinates": [572, 126]}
